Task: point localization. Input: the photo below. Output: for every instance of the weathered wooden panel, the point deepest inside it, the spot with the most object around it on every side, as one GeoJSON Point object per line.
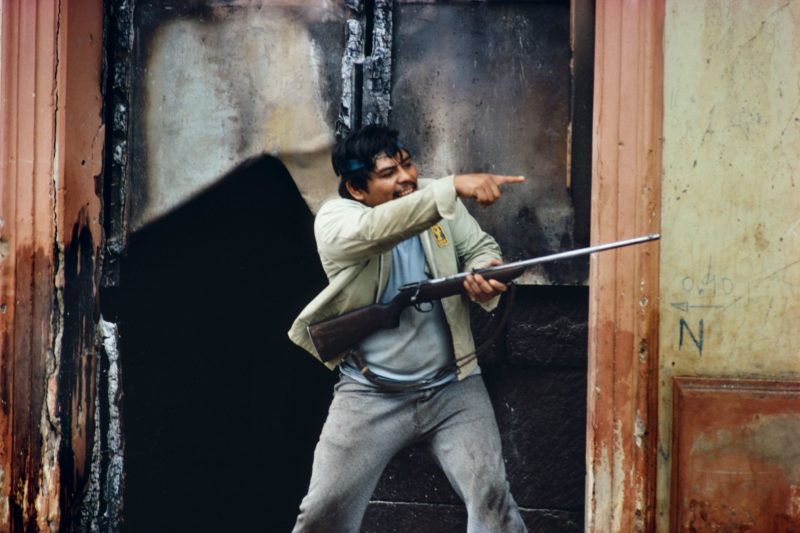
{"type": "Point", "coordinates": [623, 319]}
{"type": "Point", "coordinates": [51, 142]}
{"type": "Point", "coordinates": [29, 497]}
{"type": "Point", "coordinates": [735, 461]}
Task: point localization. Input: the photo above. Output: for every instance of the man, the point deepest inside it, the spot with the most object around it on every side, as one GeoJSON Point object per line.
{"type": "Point", "coordinates": [419, 382]}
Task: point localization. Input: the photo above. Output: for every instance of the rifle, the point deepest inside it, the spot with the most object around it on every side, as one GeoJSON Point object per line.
{"type": "Point", "coordinates": [333, 336]}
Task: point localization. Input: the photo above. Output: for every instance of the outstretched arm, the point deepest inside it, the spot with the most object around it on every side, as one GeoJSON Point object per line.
{"type": "Point", "coordinates": [348, 232]}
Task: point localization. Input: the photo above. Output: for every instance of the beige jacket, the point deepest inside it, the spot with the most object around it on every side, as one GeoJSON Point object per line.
{"type": "Point", "coordinates": [355, 242]}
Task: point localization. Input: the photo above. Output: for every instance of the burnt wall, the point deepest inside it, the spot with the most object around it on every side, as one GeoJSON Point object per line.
{"type": "Point", "coordinates": [536, 376]}
{"type": "Point", "coordinates": [221, 411]}
{"type": "Point", "coordinates": [76, 374]}
{"type": "Point", "coordinates": [215, 83]}
{"type": "Point", "coordinates": [487, 87]}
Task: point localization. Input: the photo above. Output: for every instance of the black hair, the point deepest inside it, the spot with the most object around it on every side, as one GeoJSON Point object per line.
{"type": "Point", "coordinates": [353, 156]}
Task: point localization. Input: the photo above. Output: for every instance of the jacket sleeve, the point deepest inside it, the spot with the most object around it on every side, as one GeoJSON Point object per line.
{"type": "Point", "coordinates": [348, 232]}
{"type": "Point", "coordinates": [474, 247]}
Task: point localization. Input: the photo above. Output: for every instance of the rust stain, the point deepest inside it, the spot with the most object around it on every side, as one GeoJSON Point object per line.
{"type": "Point", "coordinates": [623, 326]}
{"type": "Point", "coordinates": [53, 149]}
{"type": "Point", "coordinates": [26, 190]}
{"type": "Point", "coordinates": [736, 466]}
{"type": "Point", "coordinates": [30, 341]}
{"type": "Point", "coordinates": [738, 491]}
{"type": "Point", "coordinates": [761, 241]}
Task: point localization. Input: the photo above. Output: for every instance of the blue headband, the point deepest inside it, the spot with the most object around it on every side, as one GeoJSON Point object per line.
{"type": "Point", "coordinates": [354, 165]}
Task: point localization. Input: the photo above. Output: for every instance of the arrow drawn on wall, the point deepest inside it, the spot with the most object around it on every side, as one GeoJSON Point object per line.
{"type": "Point", "coordinates": [685, 306]}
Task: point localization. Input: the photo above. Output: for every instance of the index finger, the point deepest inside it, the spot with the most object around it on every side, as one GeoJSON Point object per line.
{"type": "Point", "coordinates": [500, 180]}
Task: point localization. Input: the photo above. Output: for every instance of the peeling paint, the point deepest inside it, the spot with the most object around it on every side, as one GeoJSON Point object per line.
{"type": "Point", "coordinates": [115, 473]}
{"type": "Point", "coordinates": [47, 502]}
{"type": "Point", "coordinates": [378, 67]}
{"type": "Point", "coordinates": [4, 515]}
{"type": "Point", "coordinates": [599, 508]}
{"type": "Point", "coordinates": [101, 505]}
{"type": "Point", "coordinates": [619, 469]}
{"type": "Point", "coordinates": [640, 431]}
{"type": "Point", "coordinates": [352, 61]}
{"type": "Point", "coordinates": [643, 351]}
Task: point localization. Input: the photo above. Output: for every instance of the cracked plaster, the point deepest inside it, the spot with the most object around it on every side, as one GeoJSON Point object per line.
{"type": "Point", "coordinates": [729, 255]}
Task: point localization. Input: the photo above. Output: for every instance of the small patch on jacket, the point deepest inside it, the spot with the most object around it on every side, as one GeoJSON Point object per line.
{"type": "Point", "coordinates": [438, 234]}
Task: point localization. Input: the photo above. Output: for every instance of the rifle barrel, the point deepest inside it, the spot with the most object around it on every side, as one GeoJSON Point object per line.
{"type": "Point", "coordinates": [525, 263]}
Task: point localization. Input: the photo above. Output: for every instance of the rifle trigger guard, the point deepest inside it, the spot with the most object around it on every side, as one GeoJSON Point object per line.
{"type": "Point", "coordinates": [419, 305]}
{"type": "Point", "coordinates": [427, 309]}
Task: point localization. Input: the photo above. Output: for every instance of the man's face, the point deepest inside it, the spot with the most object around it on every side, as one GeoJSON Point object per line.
{"type": "Point", "coordinates": [392, 177]}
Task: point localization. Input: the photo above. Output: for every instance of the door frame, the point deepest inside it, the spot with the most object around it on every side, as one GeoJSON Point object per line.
{"type": "Point", "coordinates": [622, 390]}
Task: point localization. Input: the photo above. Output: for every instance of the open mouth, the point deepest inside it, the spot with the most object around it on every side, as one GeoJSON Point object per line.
{"type": "Point", "coordinates": [404, 192]}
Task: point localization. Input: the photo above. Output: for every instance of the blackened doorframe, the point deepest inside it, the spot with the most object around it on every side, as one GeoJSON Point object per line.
{"type": "Point", "coordinates": [581, 95]}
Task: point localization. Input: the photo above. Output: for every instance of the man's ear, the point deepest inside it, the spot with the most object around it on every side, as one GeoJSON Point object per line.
{"type": "Point", "coordinates": [356, 193]}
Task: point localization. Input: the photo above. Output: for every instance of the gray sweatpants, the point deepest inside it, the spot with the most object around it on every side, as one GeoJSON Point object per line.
{"type": "Point", "coordinates": [366, 428]}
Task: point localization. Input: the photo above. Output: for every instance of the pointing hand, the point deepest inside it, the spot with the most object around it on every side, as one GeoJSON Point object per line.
{"type": "Point", "coordinates": [484, 188]}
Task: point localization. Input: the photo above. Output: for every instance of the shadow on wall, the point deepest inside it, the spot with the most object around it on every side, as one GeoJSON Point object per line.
{"type": "Point", "coordinates": [221, 411]}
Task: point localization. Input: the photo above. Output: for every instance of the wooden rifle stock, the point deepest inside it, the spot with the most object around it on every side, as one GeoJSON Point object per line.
{"type": "Point", "coordinates": [335, 335]}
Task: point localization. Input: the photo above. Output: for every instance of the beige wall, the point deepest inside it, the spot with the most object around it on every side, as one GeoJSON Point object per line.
{"type": "Point", "coordinates": [730, 252]}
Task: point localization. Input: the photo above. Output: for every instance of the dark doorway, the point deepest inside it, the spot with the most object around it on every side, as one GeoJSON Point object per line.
{"type": "Point", "coordinates": [221, 411]}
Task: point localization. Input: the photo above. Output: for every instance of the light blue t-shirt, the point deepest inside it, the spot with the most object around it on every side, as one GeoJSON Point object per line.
{"type": "Point", "coordinates": [420, 346]}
